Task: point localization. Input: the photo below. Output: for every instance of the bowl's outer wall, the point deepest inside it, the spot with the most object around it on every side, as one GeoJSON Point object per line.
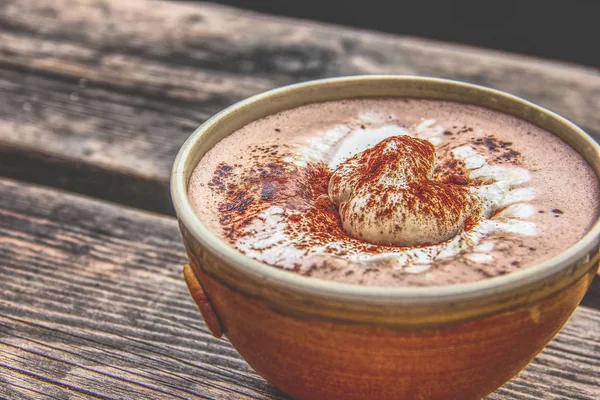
{"type": "Point", "coordinates": [326, 359]}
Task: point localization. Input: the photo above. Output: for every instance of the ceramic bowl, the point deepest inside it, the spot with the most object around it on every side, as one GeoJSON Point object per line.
{"type": "Point", "coordinates": [317, 339]}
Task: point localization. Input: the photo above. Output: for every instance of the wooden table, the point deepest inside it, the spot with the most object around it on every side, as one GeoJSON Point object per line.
{"type": "Point", "coordinates": [95, 99]}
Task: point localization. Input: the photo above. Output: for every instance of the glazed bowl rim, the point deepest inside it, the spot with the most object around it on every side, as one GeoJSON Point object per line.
{"type": "Point", "coordinates": [289, 281]}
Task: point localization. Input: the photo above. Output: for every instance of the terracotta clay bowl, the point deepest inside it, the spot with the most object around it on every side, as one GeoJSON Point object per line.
{"type": "Point", "coordinates": [318, 339]}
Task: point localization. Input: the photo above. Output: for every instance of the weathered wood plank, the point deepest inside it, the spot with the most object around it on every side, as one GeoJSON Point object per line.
{"type": "Point", "coordinates": [112, 88]}
{"type": "Point", "coordinates": [27, 388]}
{"type": "Point", "coordinates": [93, 305]}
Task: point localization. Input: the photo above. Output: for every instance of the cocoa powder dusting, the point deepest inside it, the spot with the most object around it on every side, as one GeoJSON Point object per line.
{"type": "Point", "coordinates": [451, 171]}
{"type": "Point", "coordinates": [500, 151]}
{"type": "Point", "coordinates": [312, 219]}
{"type": "Point", "coordinates": [301, 192]}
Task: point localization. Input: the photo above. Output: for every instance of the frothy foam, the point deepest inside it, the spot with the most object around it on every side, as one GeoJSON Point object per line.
{"type": "Point", "coordinates": [268, 239]}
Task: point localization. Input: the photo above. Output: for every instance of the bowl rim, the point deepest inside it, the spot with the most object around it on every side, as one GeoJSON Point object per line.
{"type": "Point", "coordinates": [356, 293]}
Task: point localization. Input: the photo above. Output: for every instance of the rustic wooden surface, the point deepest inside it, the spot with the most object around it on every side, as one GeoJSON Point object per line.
{"type": "Point", "coordinates": [95, 98]}
{"type": "Point", "coordinates": [93, 305]}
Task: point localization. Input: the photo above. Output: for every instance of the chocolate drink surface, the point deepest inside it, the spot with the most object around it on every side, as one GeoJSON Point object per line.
{"type": "Point", "coordinates": [395, 192]}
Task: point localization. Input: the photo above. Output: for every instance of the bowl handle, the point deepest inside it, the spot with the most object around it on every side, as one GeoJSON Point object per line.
{"type": "Point", "coordinates": [202, 301]}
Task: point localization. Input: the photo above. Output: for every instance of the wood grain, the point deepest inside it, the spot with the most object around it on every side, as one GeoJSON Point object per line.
{"type": "Point", "coordinates": [108, 90]}
{"type": "Point", "coordinates": [93, 305]}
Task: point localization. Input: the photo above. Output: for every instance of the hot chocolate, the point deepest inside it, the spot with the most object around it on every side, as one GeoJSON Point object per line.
{"type": "Point", "coordinates": [395, 192]}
